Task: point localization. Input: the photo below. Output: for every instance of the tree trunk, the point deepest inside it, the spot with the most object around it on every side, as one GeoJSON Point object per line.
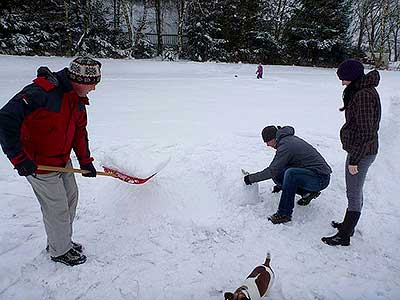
{"type": "Point", "coordinates": [129, 23]}
{"type": "Point", "coordinates": [389, 48]}
{"type": "Point", "coordinates": [383, 33]}
{"type": "Point", "coordinates": [361, 13]}
{"type": "Point", "coordinates": [88, 16]}
{"type": "Point", "coordinates": [396, 46]}
{"type": "Point", "coordinates": [360, 35]}
{"type": "Point", "coordinates": [116, 6]}
{"type": "Point", "coordinates": [396, 28]}
{"type": "Point", "coordinates": [142, 24]}
{"type": "Point", "coordinates": [181, 20]}
{"type": "Point", "coordinates": [372, 30]}
{"type": "Point", "coordinates": [158, 27]}
{"type": "Point", "coordinates": [278, 15]}
{"type": "Point", "coordinates": [67, 26]}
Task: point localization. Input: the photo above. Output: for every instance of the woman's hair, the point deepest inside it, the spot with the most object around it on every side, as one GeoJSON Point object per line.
{"type": "Point", "coordinates": [348, 94]}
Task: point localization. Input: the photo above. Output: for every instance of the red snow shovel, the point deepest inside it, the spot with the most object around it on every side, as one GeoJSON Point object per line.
{"type": "Point", "coordinates": [124, 177]}
{"type": "Point", "coordinates": [107, 172]}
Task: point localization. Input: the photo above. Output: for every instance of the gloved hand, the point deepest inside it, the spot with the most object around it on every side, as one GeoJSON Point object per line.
{"type": "Point", "coordinates": [90, 168]}
{"type": "Point", "coordinates": [26, 167]}
{"type": "Point", "coordinates": [246, 180]}
{"type": "Point", "coordinates": [276, 189]}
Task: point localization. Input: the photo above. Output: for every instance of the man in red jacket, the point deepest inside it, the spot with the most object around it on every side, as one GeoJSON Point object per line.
{"type": "Point", "coordinates": [40, 126]}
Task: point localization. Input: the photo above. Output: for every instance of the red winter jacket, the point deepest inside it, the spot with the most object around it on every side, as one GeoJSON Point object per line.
{"type": "Point", "coordinates": [45, 121]}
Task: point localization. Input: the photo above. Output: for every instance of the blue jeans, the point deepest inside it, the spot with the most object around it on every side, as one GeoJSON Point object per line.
{"type": "Point", "coordinates": [301, 181]}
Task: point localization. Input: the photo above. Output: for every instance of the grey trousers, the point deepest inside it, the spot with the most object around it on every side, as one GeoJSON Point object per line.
{"type": "Point", "coordinates": [57, 194]}
{"type": "Point", "coordinates": [355, 183]}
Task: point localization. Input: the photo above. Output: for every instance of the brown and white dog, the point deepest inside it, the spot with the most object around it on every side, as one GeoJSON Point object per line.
{"type": "Point", "coordinates": [256, 285]}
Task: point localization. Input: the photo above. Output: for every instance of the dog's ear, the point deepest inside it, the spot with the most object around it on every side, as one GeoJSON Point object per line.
{"type": "Point", "coordinates": [228, 296]}
{"type": "Point", "coordinates": [242, 297]}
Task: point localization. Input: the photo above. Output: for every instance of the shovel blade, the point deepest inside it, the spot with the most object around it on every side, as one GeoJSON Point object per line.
{"type": "Point", "coordinates": [127, 178]}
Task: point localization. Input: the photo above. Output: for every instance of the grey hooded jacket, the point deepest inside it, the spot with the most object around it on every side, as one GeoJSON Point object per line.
{"type": "Point", "coordinates": [292, 152]}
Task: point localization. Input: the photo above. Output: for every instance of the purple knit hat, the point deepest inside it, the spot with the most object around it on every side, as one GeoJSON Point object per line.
{"type": "Point", "coordinates": [350, 70]}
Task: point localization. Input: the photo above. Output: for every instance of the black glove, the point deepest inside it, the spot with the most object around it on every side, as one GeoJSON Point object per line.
{"type": "Point", "coordinates": [26, 167]}
{"type": "Point", "coordinates": [90, 168]}
{"type": "Point", "coordinates": [276, 189]}
{"type": "Point", "coordinates": [247, 180]}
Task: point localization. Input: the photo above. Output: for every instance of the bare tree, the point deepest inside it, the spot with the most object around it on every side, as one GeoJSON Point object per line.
{"type": "Point", "coordinates": [377, 30]}
{"type": "Point", "coordinates": [361, 11]}
{"type": "Point", "coordinates": [134, 21]}
{"type": "Point", "coordinates": [142, 24]}
{"type": "Point", "coordinates": [127, 8]}
{"type": "Point", "coordinates": [394, 29]}
{"type": "Point", "coordinates": [384, 32]}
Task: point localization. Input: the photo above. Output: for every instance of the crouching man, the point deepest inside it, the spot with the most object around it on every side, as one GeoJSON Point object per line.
{"type": "Point", "coordinates": [40, 126]}
{"type": "Point", "coordinates": [297, 168]}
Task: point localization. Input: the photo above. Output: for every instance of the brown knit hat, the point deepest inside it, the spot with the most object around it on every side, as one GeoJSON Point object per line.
{"type": "Point", "coordinates": [84, 70]}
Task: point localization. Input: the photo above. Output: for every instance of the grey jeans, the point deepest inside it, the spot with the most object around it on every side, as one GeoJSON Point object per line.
{"type": "Point", "coordinates": [57, 194]}
{"type": "Point", "coordinates": [355, 183]}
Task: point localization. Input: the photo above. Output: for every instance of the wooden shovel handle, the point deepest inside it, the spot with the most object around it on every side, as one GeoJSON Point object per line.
{"type": "Point", "coordinates": [70, 170]}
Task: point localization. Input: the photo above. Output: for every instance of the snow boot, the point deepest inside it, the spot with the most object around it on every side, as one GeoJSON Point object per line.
{"type": "Point", "coordinates": [342, 238]}
{"type": "Point", "coordinates": [336, 240]}
{"type": "Point", "coordinates": [306, 199]}
{"type": "Point", "coordinates": [277, 218]}
{"type": "Point", "coordinates": [338, 225]}
{"type": "Point", "coordinates": [71, 258]}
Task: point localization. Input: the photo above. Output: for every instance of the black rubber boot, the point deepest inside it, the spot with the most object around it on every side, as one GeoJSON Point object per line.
{"type": "Point", "coordinates": [336, 240]}
{"type": "Point", "coordinates": [338, 225]}
{"type": "Point", "coordinates": [342, 238]}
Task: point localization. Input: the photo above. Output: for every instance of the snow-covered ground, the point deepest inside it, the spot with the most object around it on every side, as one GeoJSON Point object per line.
{"type": "Point", "coordinates": [195, 230]}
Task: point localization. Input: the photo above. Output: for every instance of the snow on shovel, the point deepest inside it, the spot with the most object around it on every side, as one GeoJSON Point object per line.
{"type": "Point", "coordinates": [107, 172]}
{"type": "Point", "coordinates": [127, 178]}
{"type": "Point", "coordinates": [113, 169]}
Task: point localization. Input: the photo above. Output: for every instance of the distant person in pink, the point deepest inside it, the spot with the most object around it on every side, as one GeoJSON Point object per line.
{"type": "Point", "coordinates": [259, 71]}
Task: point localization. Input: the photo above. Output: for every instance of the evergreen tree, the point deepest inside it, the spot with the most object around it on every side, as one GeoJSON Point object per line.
{"type": "Point", "coordinates": [318, 32]}
{"type": "Point", "coordinates": [239, 26]}
{"type": "Point", "coordinates": [204, 31]}
{"type": "Point", "coordinates": [56, 28]}
{"type": "Point", "coordinates": [265, 46]}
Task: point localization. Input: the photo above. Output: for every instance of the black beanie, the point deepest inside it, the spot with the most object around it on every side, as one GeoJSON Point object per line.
{"type": "Point", "coordinates": [350, 70]}
{"type": "Point", "coordinates": [269, 133]}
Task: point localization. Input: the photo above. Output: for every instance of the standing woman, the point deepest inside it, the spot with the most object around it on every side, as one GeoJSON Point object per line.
{"type": "Point", "coordinates": [359, 137]}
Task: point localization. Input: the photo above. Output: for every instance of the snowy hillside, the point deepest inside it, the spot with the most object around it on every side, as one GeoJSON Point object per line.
{"type": "Point", "coordinates": [195, 230]}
